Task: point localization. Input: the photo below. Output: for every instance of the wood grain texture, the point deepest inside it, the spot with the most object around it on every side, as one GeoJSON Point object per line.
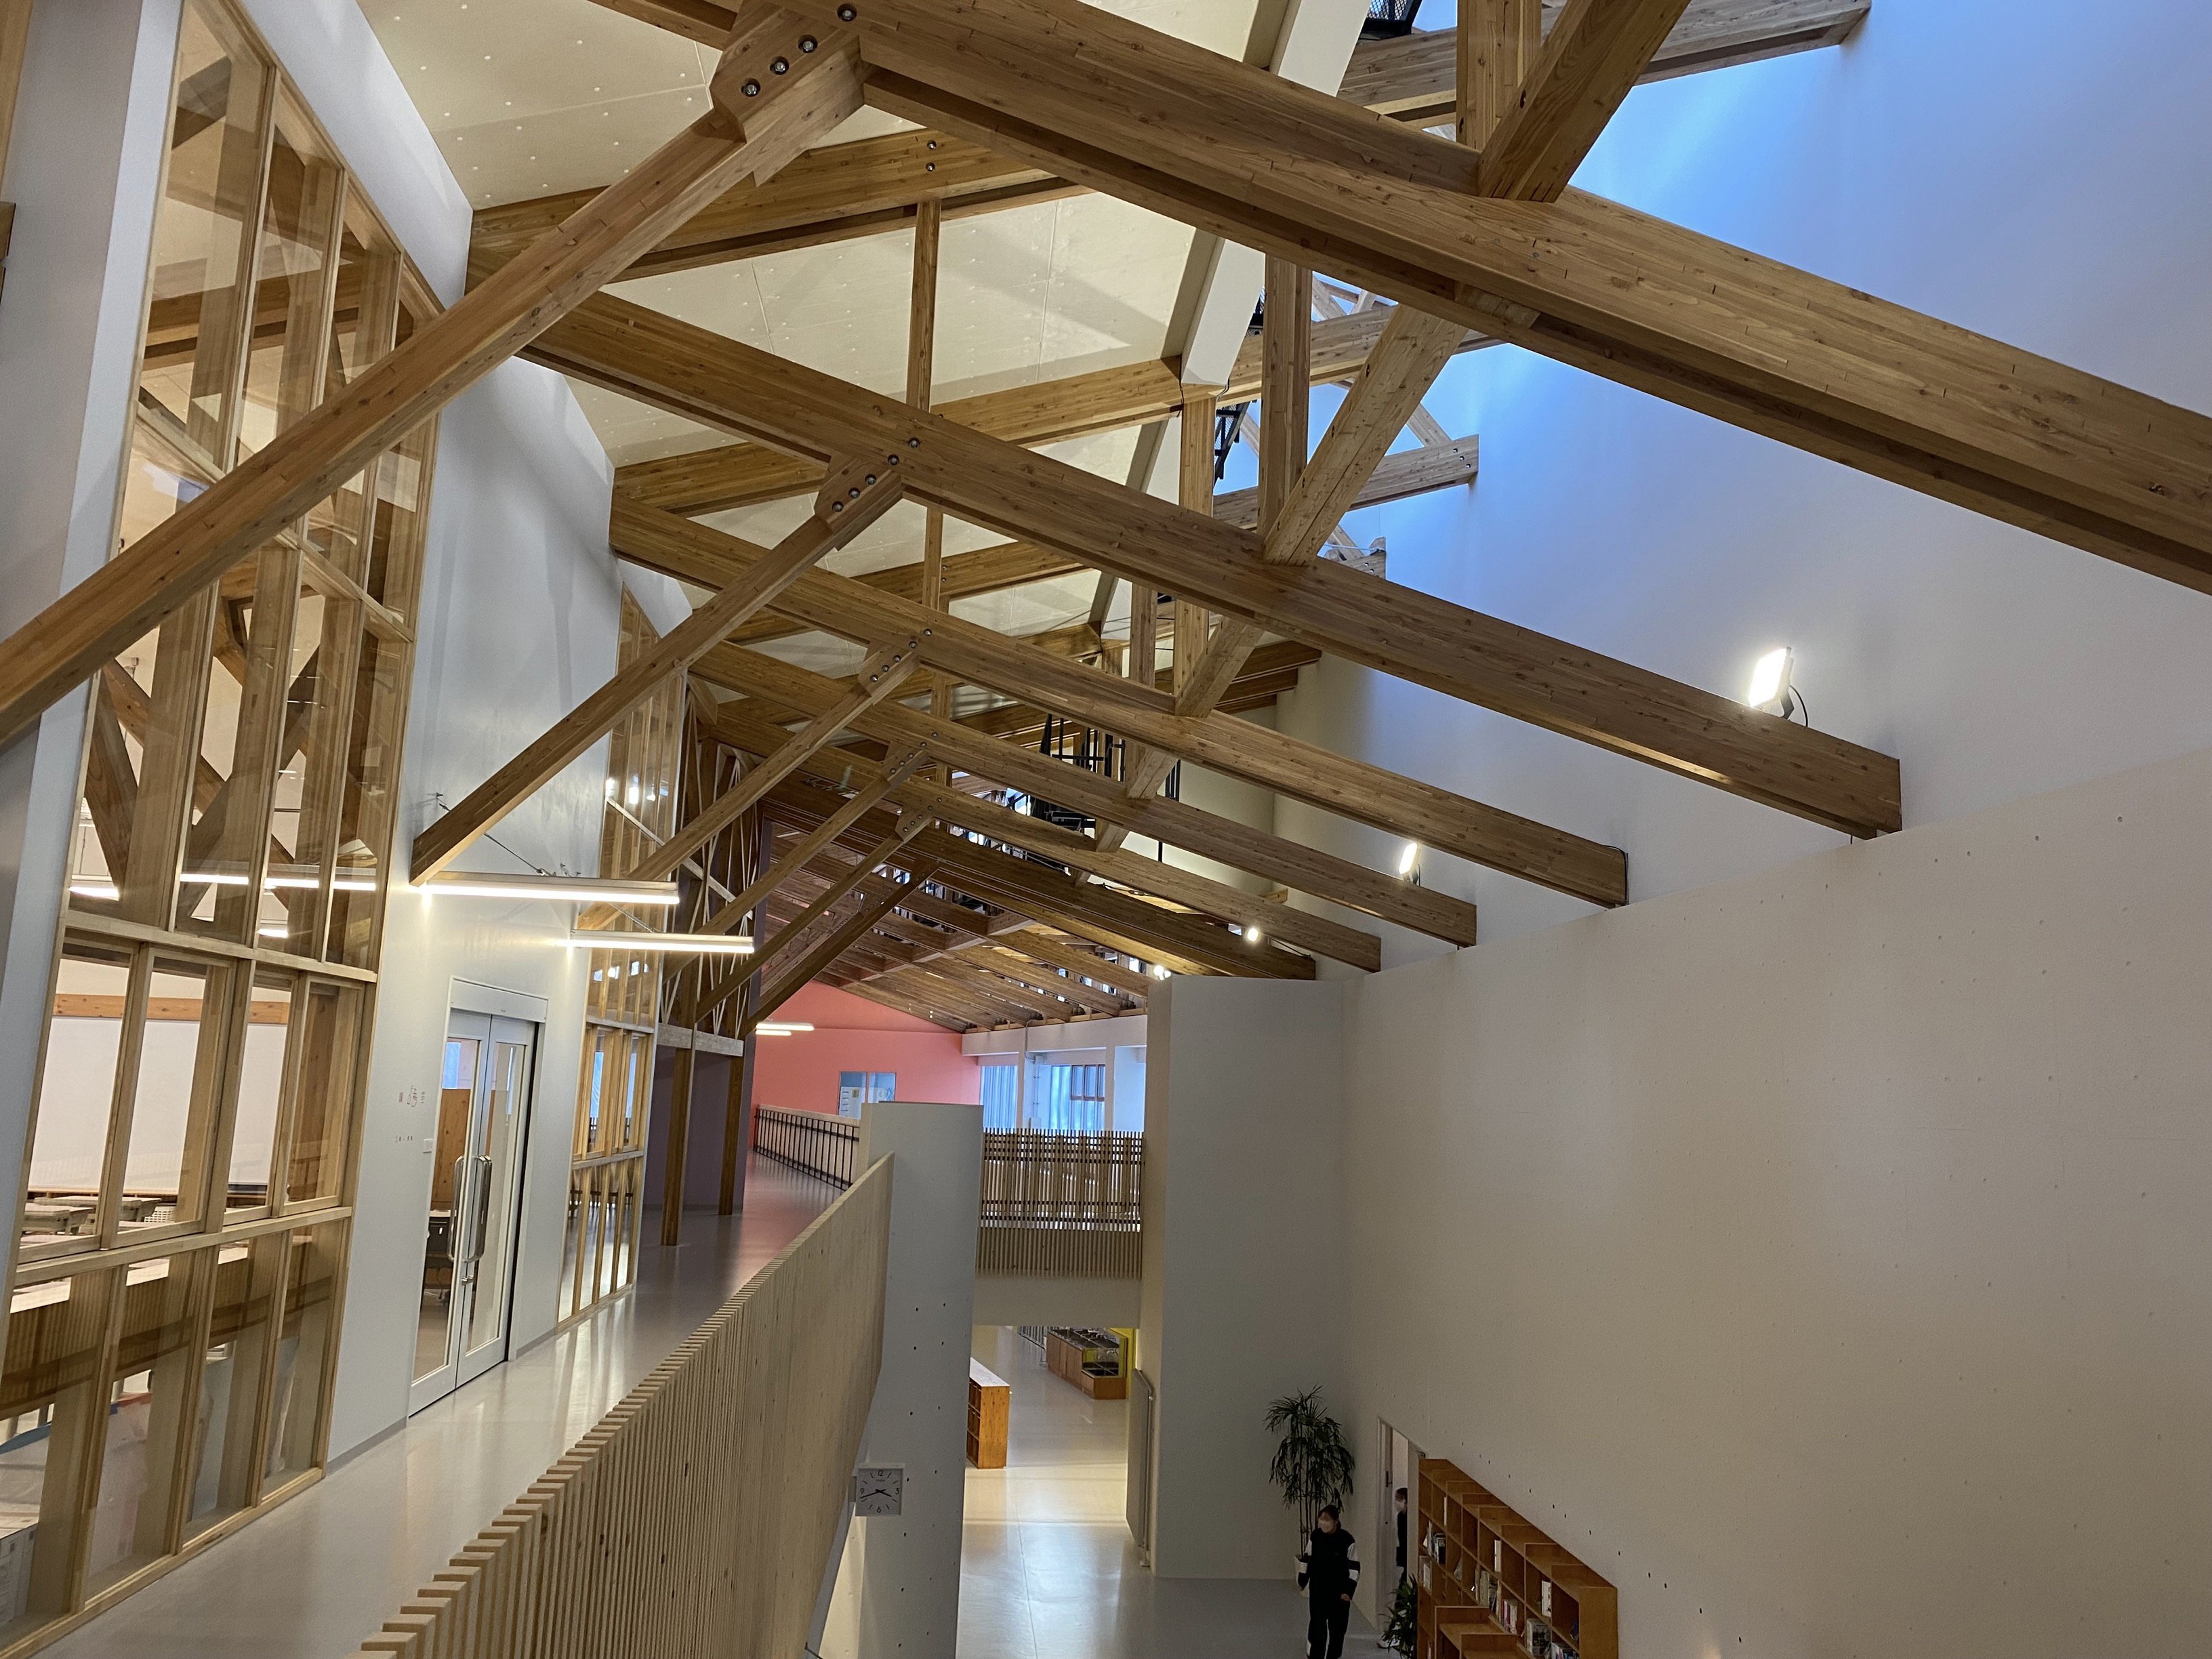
{"type": "Point", "coordinates": [1368, 794]}
{"type": "Point", "coordinates": [1241, 153]}
{"type": "Point", "coordinates": [697, 1517]}
{"type": "Point", "coordinates": [159, 572]}
{"type": "Point", "coordinates": [1399, 630]}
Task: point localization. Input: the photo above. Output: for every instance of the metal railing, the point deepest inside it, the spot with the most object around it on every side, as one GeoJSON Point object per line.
{"type": "Point", "coordinates": [819, 1145]}
{"type": "Point", "coordinates": [1063, 1205]}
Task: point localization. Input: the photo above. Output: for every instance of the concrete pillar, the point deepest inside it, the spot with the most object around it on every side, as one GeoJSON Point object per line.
{"type": "Point", "coordinates": [909, 1563]}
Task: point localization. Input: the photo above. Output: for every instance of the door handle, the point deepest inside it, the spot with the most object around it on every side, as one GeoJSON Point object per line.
{"type": "Point", "coordinates": [479, 1208]}
{"type": "Point", "coordinates": [457, 1222]}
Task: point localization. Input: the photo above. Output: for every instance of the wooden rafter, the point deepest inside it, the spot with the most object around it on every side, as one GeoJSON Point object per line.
{"type": "Point", "coordinates": [163, 569]}
{"type": "Point", "coordinates": [1368, 794]}
{"type": "Point", "coordinates": [1240, 153]}
{"type": "Point", "coordinates": [1414, 635]}
{"type": "Point", "coordinates": [872, 187]}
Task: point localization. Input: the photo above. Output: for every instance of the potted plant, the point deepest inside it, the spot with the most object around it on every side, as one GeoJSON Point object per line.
{"type": "Point", "coordinates": [1398, 1634]}
{"type": "Point", "coordinates": [1312, 1464]}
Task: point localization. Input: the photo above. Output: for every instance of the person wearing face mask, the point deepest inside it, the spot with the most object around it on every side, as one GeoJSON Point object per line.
{"type": "Point", "coordinates": [1328, 1570]}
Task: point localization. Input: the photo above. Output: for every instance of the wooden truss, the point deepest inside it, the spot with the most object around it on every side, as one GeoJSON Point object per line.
{"type": "Point", "coordinates": [909, 877]}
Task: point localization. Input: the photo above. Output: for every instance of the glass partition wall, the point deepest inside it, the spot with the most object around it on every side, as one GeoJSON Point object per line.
{"type": "Point", "coordinates": [621, 1001]}
{"type": "Point", "coordinates": [175, 1297]}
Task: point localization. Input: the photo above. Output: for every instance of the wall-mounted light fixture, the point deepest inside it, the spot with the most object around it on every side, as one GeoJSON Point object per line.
{"type": "Point", "coordinates": [1409, 863]}
{"type": "Point", "coordinates": [1770, 688]}
{"type": "Point", "coordinates": [781, 1027]}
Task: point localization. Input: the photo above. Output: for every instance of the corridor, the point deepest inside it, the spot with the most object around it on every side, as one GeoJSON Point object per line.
{"type": "Point", "coordinates": [324, 1571]}
{"type": "Point", "coordinates": [1047, 1569]}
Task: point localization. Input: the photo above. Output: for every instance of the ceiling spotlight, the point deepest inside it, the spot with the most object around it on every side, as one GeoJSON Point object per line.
{"type": "Point", "coordinates": [1409, 861]}
{"type": "Point", "coordinates": [1159, 970]}
{"type": "Point", "coordinates": [1769, 687]}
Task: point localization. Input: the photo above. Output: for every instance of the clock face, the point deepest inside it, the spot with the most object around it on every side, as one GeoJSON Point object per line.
{"type": "Point", "coordinates": [878, 1492]}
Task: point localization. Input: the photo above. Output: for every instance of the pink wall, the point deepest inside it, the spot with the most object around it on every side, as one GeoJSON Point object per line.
{"type": "Point", "coordinates": [851, 1034]}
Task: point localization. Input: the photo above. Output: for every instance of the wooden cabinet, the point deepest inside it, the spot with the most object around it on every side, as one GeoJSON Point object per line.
{"type": "Point", "coordinates": [989, 1400]}
{"type": "Point", "coordinates": [1092, 1360]}
{"type": "Point", "coordinates": [1489, 1583]}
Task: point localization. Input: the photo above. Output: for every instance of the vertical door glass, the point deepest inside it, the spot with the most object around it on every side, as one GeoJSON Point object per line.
{"type": "Point", "coordinates": [196, 322]}
{"type": "Point", "coordinates": [491, 1227]}
{"type": "Point", "coordinates": [448, 1158]}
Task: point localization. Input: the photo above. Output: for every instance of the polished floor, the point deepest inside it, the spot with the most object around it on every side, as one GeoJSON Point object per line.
{"type": "Point", "coordinates": [314, 1577]}
{"type": "Point", "coordinates": [1048, 1569]}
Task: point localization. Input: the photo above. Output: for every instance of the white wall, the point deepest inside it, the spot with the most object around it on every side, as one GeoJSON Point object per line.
{"type": "Point", "coordinates": [1825, 1251]}
{"type": "Point", "coordinates": [1989, 162]}
{"type": "Point", "coordinates": [1243, 1287]}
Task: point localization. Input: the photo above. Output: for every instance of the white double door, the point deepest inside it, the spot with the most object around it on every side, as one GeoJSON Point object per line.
{"type": "Point", "coordinates": [467, 1296]}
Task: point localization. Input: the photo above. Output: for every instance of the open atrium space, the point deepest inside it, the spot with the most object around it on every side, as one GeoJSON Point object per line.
{"type": "Point", "coordinates": [645, 645]}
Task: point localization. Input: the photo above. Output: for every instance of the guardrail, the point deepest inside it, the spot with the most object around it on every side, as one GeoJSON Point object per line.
{"type": "Point", "coordinates": [698, 1516]}
{"type": "Point", "coordinates": [1069, 1206]}
{"type": "Point", "coordinates": [820, 1145]}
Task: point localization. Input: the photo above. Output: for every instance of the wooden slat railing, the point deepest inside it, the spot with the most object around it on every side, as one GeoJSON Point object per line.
{"type": "Point", "coordinates": [697, 1518]}
{"type": "Point", "coordinates": [1062, 1204]}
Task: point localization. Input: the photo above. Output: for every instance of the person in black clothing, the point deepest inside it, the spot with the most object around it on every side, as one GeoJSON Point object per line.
{"type": "Point", "coordinates": [1328, 1569]}
{"type": "Point", "coordinates": [1401, 1535]}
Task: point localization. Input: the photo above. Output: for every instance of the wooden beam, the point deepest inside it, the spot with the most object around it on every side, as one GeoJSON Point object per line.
{"type": "Point", "coordinates": [786, 985]}
{"type": "Point", "coordinates": [1270, 668]}
{"type": "Point", "coordinates": [848, 813]}
{"type": "Point", "coordinates": [1412, 78]}
{"type": "Point", "coordinates": [884, 672]}
{"type": "Point", "coordinates": [1368, 794]}
{"type": "Point", "coordinates": [1042, 412]}
{"type": "Point", "coordinates": [1067, 957]}
{"type": "Point", "coordinates": [1397, 629]}
{"type": "Point", "coordinates": [841, 192]}
{"type": "Point", "coordinates": [1241, 153]}
{"type": "Point", "coordinates": [893, 998]}
{"type": "Point", "coordinates": [1588, 63]}
{"type": "Point", "coordinates": [925, 798]}
{"type": "Point", "coordinates": [1289, 862]}
{"type": "Point", "coordinates": [147, 581]}
{"type": "Point", "coordinates": [837, 517]}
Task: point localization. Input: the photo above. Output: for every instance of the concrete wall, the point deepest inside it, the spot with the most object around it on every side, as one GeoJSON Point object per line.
{"type": "Point", "coordinates": [1939, 160]}
{"type": "Point", "coordinates": [1244, 1288]}
{"type": "Point", "coordinates": [1823, 1251]}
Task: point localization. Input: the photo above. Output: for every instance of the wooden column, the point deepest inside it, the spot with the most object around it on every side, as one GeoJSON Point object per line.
{"type": "Point", "coordinates": [1194, 487]}
{"type": "Point", "coordinates": [679, 1135]}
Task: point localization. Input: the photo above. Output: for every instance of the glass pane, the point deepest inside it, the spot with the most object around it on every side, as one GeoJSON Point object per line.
{"type": "Point", "coordinates": [172, 1108]}
{"type": "Point", "coordinates": [155, 691]}
{"type": "Point", "coordinates": [625, 1223]}
{"type": "Point", "coordinates": [367, 302]}
{"type": "Point", "coordinates": [164, 475]}
{"type": "Point", "coordinates": [320, 1116]}
{"type": "Point", "coordinates": [303, 1346]}
{"type": "Point", "coordinates": [216, 892]}
{"type": "Point", "coordinates": [367, 792]}
{"type": "Point", "coordinates": [196, 320]}
{"type": "Point", "coordinates": [260, 1088]}
{"type": "Point", "coordinates": [231, 1365]}
{"type": "Point", "coordinates": [395, 533]}
{"type": "Point", "coordinates": [303, 798]}
{"type": "Point", "coordinates": [147, 1392]}
{"type": "Point", "coordinates": [291, 317]}
{"type": "Point", "coordinates": [637, 1087]}
{"type": "Point", "coordinates": [491, 1228]}
{"type": "Point", "coordinates": [51, 1404]}
{"type": "Point", "coordinates": [335, 525]}
{"type": "Point", "coordinates": [76, 1092]}
{"type": "Point", "coordinates": [571, 1247]}
{"type": "Point", "coordinates": [457, 1092]}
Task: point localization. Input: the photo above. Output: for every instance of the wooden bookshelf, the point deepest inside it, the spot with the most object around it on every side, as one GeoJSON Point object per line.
{"type": "Point", "coordinates": [1489, 1583]}
{"type": "Point", "coordinates": [989, 1402]}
